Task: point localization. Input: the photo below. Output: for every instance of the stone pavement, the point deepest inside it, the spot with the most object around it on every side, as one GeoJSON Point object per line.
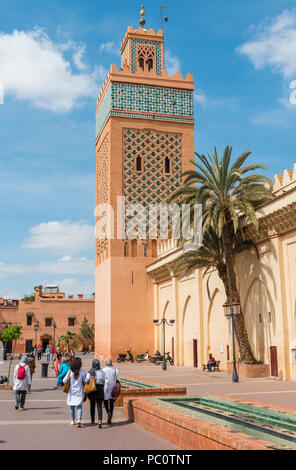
{"type": "Point", "coordinates": [45, 423]}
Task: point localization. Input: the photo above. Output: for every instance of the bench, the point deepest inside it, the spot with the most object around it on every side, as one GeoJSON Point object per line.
{"type": "Point", "coordinates": [214, 366]}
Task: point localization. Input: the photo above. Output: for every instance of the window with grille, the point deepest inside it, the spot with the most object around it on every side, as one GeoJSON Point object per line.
{"type": "Point", "coordinates": [48, 321]}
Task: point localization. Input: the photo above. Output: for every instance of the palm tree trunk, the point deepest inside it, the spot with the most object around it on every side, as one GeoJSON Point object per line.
{"type": "Point", "coordinates": [222, 273]}
{"type": "Point", "coordinates": [239, 324]}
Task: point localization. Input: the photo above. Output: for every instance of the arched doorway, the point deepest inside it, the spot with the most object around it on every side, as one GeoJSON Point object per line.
{"type": "Point", "coordinates": [218, 328]}
{"type": "Point", "coordinates": [259, 320]}
{"type": "Point", "coordinates": [189, 333]}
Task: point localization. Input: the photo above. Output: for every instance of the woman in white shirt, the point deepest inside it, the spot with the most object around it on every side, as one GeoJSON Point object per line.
{"type": "Point", "coordinates": [75, 394]}
{"type": "Point", "coordinates": [111, 377]}
{"type": "Point", "coordinates": [96, 397]}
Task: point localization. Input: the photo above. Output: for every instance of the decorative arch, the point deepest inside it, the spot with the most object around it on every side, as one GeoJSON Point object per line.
{"type": "Point", "coordinates": [259, 316]}
{"type": "Point", "coordinates": [217, 328]}
{"type": "Point", "coordinates": [183, 326]}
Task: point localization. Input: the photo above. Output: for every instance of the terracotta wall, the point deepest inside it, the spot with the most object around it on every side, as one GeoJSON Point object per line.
{"type": "Point", "coordinates": [59, 310]}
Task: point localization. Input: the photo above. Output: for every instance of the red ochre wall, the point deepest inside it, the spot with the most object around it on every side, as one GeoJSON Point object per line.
{"type": "Point", "coordinates": [124, 320]}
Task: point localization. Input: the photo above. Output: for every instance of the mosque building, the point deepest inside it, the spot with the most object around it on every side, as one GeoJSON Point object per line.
{"type": "Point", "coordinates": [144, 142]}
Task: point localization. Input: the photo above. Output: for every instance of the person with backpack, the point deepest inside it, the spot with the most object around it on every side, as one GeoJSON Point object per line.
{"type": "Point", "coordinates": [96, 397]}
{"type": "Point", "coordinates": [21, 382]}
{"type": "Point", "coordinates": [64, 369]}
{"type": "Point", "coordinates": [111, 380]}
{"type": "Point", "coordinates": [76, 378]}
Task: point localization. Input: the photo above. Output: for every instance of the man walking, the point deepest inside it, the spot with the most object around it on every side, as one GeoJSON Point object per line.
{"type": "Point", "coordinates": [21, 382]}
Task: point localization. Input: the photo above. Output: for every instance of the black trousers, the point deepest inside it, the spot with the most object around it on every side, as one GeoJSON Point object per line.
{"type": "Point", "coordinates": [20, 397]}
{"type": "Point", "coordinates": [96, 398]}
{"type": "Point", "coordinates": [109, 406]}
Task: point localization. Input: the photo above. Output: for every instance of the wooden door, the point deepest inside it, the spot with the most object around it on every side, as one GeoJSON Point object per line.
{"type": "Point", "coordinates": [273, 362]}
{"type": "Point", "coordinates": [195, 357]}
{"type": "Point", "coordinates": [29, 345]}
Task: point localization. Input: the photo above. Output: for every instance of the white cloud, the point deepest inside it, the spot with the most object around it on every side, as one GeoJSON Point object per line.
{"type": "Point", "coordinates": [172, 63]}
{"type": "Point", "coordinates": [62, 266]}
{"type": "Point", "coordinates": [77, 58]}
{"type": "Point", "coordinates": [66, 237]}
{"type": "Point", "coordinates": [110, 47]}
{"type": "Point", "coordinates": [33, 68]}
{"type": "Point", "coordinates": [271, 118]}
{"type": "Point", "coordinates": [274, 44]}
{"type": "Point", "coordinates": [200, 98]}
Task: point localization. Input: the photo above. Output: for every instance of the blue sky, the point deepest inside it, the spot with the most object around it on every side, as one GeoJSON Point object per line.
{"type": "Point", "coordinates": [53, 58]}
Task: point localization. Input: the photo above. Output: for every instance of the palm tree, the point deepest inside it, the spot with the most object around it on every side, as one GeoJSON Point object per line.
{"type": "Point", "coordinates": [226, 193]}
{"type": "Point", "coordinates": [67, 338]}
{"type": "Point", "coordinates": [211, 255]}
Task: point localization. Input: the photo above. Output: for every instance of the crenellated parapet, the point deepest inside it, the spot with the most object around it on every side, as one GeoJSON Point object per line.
{"type": "Point", "coordinates": [285, 181]}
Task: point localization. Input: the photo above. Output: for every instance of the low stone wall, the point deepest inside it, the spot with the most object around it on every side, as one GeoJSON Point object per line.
{"type": "Point", "coordinates": [250, 370]}
{"type": "Point", "coordinates": [187, 432]}
{"type": "Point", "coordinates": [155, 389]}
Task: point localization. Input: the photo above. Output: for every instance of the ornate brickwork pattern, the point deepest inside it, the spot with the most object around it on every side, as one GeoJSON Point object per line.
{"type": "Point", "coordinates": [134, 61]}
{"type": "Point", "coordinates": [103, 183]}
{"type": "Point", "coordinates": [152, 185]}
{"type": "Point", "coordinates": [151, 99]}
{"type": "Point", "coordinates": [128, 100]}
{"type": "Point", "coordinates": [103, 112]}
{"type": "Point", "coordinates": [149, 116]}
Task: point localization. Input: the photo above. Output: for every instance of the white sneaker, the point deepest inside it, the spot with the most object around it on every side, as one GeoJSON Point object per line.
{"type": "Point", "coordinates": [72, 423]}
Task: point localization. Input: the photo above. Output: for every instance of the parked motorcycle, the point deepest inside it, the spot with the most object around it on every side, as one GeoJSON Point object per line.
{"type": "Point", "coordinates": [143, 357]}
{"type": "Point", "coordinates": [122, 357]}
{"type": "Point", "coordinates": [159, 359]}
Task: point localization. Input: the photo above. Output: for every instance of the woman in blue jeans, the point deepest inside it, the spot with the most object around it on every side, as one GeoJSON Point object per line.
{"type": "Point", "coordinates": [75, 394]}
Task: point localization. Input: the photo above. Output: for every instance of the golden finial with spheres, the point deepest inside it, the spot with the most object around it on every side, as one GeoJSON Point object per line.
{"type": "Point", "coordinates": [142, 13]}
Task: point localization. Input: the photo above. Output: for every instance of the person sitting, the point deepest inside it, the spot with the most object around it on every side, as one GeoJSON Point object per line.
{"type": "Point", "coordinates": [64, 369]}
{"type": "Point", "coordinates": [211, 362]}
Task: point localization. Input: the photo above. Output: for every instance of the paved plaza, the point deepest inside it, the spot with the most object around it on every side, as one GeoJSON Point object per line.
{"type": "Point", "coordinates": [45, 423]}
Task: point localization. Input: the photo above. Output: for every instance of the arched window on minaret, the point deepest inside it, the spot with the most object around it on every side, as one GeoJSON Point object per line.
{"type": "Point", "coordinates": [134, 248]}
{"type": "Point", "coordinates": [167, 165]}
{"type": "Point", "coordinates": [149, 63]}
{"type": "Point", "coordinates": [141, 63]}
{"type": "Point", "coordinates": [139, 164]}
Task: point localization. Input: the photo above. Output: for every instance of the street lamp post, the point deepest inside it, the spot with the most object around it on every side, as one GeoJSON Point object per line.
{"type": "Point", "coordinates": [164, 321]}
{"type": "Point", "coordinates": [54, 328]}
{"type": "Point", "coordinates": [36, 326]}
{"type": "Point", "coordinates": [231, 309]}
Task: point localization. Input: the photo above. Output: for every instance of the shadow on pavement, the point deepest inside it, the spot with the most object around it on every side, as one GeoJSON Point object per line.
{"type": "Point", "coordinates": [44, 408]}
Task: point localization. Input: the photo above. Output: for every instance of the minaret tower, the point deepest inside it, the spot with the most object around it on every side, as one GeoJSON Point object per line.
{"type": "Point", "coordinates": [144, 141]}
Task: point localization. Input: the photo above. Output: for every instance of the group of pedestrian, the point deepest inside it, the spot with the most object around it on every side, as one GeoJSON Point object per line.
{"type": "Point", "coordinates": [106, 383]}
{"type": "Point", "coordinates": [73, 379]}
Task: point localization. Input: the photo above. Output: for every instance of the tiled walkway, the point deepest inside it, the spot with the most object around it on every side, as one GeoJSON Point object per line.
{"type": "Point", "coordinates": [45, 422]}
